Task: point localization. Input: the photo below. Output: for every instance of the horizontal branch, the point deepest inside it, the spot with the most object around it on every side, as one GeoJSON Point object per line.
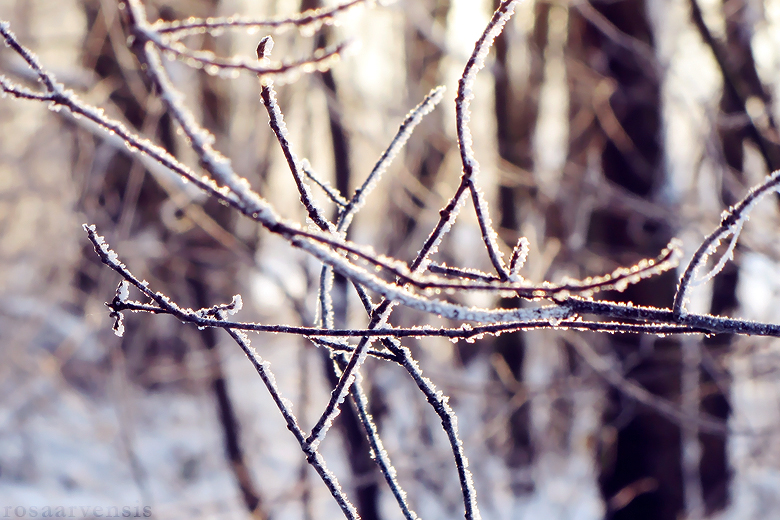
{"type": "Point", "coordinates": [179, 28]}
{"type": "Point", "coordinates": [660, 321]}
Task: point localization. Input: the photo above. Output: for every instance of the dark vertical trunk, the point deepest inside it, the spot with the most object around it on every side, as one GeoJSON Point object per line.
{"type": "Point", "coordinates": [741, 82]}
{"type": "Point", "coordinates": [624, 134]}
{"type": "Point", "coordinates": [225, 410]}
{"type": "Point", "coordinates": [516, 112]}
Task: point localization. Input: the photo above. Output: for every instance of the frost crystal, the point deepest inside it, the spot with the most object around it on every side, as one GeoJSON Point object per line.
{"type": "Point", "coordinates": [119, 328]}
{"type": "Point", "coordinates": [236, 305]}
{"type": "Point", "coordinates": [123, 291]}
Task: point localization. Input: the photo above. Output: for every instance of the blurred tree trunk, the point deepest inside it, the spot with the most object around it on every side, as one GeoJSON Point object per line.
{"type": "Point", "coordinates": [516, 112]}
{"type": "Point", "coordinates": [424, 32]}
{"type": "Point", "coordinates": [738, 127]}
{"type": "Point", "coordinates": [200, 271]}
{"type": "Point", "coordinates": [741, 87]}
{"type": "Point", "coordinates": [615, 125]}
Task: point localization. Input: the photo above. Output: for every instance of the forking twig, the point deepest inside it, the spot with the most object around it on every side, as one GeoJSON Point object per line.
{"type": "Point", "coordinates": [731, 223]}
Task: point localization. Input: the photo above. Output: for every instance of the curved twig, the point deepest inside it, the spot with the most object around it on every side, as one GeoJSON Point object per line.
{"type": "Point", "coordinates": [731, 222]}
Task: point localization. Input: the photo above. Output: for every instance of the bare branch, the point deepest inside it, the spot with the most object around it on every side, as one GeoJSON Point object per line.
{"type": "Point", "coordinates": [308, 20]}
{"type": "Point", "coordinates": [462, 101]}
{"type": "Point", "coordinates": [731, 223]}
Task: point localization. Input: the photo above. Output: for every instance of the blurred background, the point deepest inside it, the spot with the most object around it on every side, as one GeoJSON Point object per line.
{"type": "Point", "coordinates": [603, 129]}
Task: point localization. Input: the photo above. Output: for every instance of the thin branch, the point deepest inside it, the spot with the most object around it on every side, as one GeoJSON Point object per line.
{"type": "Point", "coordinates": [731, 222]}
{"type": "Point", "coordinates": [218, 313]}
{"type": "Point", "coordinates": [411, 121]}
{"type": "Point", "coordinates": [701, 322]}
{"type": "Point", "coordinates": [307, 19]}
{"type": "Point", "coordinates": [312, 455]}
{"type": "Point", "coordinates": [660, 321]}
{"type": "Point", "coordinates": [519, 256]}
{"type": "Point", "coordinates": [60, 97]}
{"type": "Point", "coordinates": [378, 452]}
{"type": "Point", "coordinates": [339, 393]}
{"type": "Point", "coordinates": [329, 190]}
{"type": "Point", "coordinates": [464, 273]}
{"type": "Point", "coordinates": [449, 422]}
{"type": "Point", "coordinates": [321, 59]}
{"type": "Point", "coordinates": [345, 219]}
{"type": "Point", "coordinates": [359, 197]}
{"type": "Point", "coordinates": [276, 121]}
{"type": "Point", "coordinates": [462, 115]}
{"type": "Point", "coordinates": [145, 33]}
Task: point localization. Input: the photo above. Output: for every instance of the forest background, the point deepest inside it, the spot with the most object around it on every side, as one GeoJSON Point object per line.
{"type": "Point", "coordinates": [603, 130]}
